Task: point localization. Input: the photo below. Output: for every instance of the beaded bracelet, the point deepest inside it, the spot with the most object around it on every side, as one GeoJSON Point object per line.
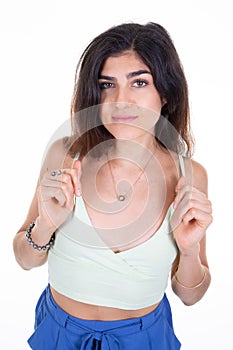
{"type": "Point", "coordinates": [196, 286]}
{"type": "Point", "coordinates": [33, 244]}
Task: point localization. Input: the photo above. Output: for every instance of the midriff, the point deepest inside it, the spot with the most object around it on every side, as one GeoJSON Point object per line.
{"type": "Point", "coordinates": [95, 312]}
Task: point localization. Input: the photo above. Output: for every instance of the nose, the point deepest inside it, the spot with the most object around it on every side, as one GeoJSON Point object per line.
{"type": "Point", "coordinates": [122, 96]}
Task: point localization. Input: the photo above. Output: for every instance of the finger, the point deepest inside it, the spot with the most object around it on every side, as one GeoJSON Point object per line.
{"type": "Point", "coordinates": [63, 181]}
{"type": "Point", "coordinates": [57, 183]}
{"type": "Point", "coordinates": [77, 164]}
{"type": "Point", "coordinates": [67, 176]}
{"type": "Point", "coordinates": [52, 186]}
{"type": "Point", "coordinates": [188, 191]}
{"type": "Point", "coordinates": [77, 171]}
{"type": "Point", "coordinates": [186, 204]}
{"type": "Point", "coordinates": [201, 217]}
{"type": "Point", "coordinates": [48, 193]}
{"type": "Point", "coordinates": [181, 183]}
{"type": "Point", "coordinates": [191, 195]}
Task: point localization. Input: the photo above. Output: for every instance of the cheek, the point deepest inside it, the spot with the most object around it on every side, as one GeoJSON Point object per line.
{"type": "Point", "coordinates": [105, 112]}
{"type": "Point", "coordinates": [148, 119]}
{"type": "Point", "coordinates": [155, 104]}
{"type": "Point", "coordinates": [105, 95]}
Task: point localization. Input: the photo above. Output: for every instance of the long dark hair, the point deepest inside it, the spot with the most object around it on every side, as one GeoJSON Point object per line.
{"type": "Point", "coordinates": [152, 43]}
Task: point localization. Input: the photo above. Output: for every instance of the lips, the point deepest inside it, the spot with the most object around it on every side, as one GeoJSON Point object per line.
{"type": "Point", "coordinates": [123, 118]}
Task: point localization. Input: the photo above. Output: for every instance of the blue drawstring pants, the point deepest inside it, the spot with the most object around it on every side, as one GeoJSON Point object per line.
{"type": "Point", "coordinates": [57, 330]}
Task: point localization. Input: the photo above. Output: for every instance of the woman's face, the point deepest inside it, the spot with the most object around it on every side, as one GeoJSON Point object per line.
{"type": "Point", "coordinates": [131, 105]}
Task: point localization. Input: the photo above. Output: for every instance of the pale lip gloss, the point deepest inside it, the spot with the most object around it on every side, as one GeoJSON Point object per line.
{"type": "Point", "coordinates": [123, 118]}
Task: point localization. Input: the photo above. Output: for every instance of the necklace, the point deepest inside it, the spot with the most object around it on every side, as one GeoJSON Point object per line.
{"type": "Point", "coordinates": [121, 197]}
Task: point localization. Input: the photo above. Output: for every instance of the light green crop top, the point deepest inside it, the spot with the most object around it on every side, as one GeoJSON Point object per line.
{"type": "Point", "coordinates": [92, 273]}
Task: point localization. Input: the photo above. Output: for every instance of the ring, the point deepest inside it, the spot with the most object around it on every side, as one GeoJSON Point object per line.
{"type": "Point", "coordinates": [56, 172]}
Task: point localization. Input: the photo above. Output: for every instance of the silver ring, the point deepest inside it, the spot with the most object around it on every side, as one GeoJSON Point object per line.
{"type": "Point", "coordinates": [56, 172]}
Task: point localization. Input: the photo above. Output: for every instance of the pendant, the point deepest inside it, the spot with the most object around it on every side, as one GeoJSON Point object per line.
{"type": "Point", "coordinates": [121, 197]}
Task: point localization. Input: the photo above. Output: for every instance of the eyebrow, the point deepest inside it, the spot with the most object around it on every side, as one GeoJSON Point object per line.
{"type": "Point", "coordinates": [130, 75]}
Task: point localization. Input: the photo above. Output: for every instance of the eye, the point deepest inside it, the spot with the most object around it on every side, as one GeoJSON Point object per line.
{"type": "Point", "coordinates": [140, 83]}
{"type": "Point", "coordinates": [106, 85]}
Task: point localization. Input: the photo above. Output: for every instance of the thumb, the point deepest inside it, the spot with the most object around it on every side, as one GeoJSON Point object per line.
{"type": "Point", "coordinates": [77, 164]}
{"type": "Point", "coordinates": [77, 167]}
{"type": "Point", "coordinates": [181, 183]}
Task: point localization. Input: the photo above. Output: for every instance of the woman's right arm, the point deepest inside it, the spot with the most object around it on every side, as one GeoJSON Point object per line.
{"type": "Point", "coordinates": [52, 202]}
{"type": "Point", "coordinates": [25, 255]}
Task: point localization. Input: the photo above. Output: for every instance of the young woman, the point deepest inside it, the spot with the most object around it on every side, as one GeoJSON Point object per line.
{"type": "Point", "coordinates": [120, 205]}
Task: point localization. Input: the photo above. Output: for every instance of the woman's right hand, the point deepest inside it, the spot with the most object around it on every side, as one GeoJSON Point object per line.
{"type": "Point", "coordinates": [55, 195]}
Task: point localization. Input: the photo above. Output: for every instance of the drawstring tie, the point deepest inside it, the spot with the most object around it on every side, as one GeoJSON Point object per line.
{"type": "Point", "coordinates": [105, 340]}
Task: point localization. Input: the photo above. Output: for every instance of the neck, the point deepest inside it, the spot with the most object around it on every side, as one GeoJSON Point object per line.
{"type": "Point", "coordinates": [132, 151]}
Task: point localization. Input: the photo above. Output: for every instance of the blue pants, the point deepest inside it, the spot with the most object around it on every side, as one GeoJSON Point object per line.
{"type": "Point", "coordinates": [57, 330]}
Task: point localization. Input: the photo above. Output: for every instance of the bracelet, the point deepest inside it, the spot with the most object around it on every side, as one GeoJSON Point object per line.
{"type": "Point", "coordinates": [197, 285]}
{"type": "Point", "coordinates": [33, 244]}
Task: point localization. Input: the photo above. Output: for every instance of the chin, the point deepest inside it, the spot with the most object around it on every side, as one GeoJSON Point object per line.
{"type": "Point", "coordinates": [126, 131]}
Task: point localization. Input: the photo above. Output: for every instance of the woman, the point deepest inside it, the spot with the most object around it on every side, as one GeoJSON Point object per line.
{"type": "Point", "coordinates": [119, 204]}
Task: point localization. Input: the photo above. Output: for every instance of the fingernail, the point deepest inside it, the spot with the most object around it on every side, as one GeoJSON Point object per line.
{"type": "Point", "coordinates": [78, 192]}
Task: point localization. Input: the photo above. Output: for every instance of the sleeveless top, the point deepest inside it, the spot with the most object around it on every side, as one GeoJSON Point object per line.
{"type": "Point", "coordinates": [83, 268]}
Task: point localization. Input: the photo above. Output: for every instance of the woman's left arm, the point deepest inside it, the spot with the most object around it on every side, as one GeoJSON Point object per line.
{"type": "Point", "coordinates": [192, 215]}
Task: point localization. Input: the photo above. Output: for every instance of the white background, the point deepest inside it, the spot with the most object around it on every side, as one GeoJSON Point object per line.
{"type": "Point", "coordinates": [40, 43]}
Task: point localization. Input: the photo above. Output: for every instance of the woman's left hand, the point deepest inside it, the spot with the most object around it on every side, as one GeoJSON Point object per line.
{"type": "Point", "coordinates": [191, 217]}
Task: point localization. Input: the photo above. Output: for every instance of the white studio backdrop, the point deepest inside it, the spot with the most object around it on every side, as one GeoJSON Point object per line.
{"type": "Point", "coordinates": [41, 42]}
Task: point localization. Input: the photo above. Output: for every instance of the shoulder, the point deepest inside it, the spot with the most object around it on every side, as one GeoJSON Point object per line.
{"type": "Point", "coordinates": [196, 174]}
{"type": "Point", "coordinates": [57, 156]}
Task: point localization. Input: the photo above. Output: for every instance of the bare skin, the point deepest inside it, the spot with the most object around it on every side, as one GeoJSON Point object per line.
{"type": "Point", "coordinates": [93, 312]}
{"type": "Point", "coordinates": [53, 200]}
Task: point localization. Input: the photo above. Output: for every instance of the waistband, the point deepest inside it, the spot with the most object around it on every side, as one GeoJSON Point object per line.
{"type": "Point", "coordinates": [100, 328]}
